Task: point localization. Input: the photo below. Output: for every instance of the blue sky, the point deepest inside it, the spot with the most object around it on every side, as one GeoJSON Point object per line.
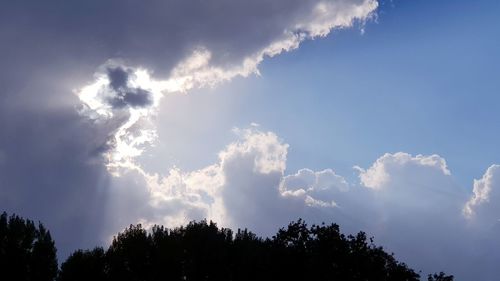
{"type": "Point", "coordinates": [378, 115]}
{"type": "Point", "coordinates": [421, 79]}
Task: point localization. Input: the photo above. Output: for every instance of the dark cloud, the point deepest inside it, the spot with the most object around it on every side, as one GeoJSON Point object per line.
{"type": "Point", "coordinates": [49, 174]}
{"type": "Point", "coordinates": [118, 78]}
{"type": "Point", "coordinates": [123, 94]}
{"type": "Point", "coordinates": [156, 34]}
{"type": "Point", "coordinates": [132, 97]}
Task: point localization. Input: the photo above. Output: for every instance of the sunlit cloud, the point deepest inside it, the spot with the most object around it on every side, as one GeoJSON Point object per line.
{"type": "Point", "coordinates": [126, 98]}
{"type": "Point", "coordinates": [485, 195]}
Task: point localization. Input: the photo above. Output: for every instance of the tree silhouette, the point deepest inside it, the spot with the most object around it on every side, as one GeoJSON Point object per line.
{"type": "Point", "coordinates": [84, 266]}
{"type": "Point", "coordinates": [129, 256]}
{"type": "Point", "coordinates": [206, 251]}
{"type": "Point", "coordinates": [249, 256]}
{"type": "Point", "coordinates": [203, 251]}
{"type": "Point", "coordinates": [440, 277]}
{"type": "Point", "coordinates": [27, 252]}
{"type": "Point", "coordinates": [167, 254]}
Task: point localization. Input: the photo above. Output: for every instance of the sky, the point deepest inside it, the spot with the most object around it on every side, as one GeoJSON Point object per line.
{"type": "Point", "coordinates": [377, 115]}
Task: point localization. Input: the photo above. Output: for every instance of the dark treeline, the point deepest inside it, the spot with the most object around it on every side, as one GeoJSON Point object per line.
{"type": "Point", "coordinates": [27, 251]}
{"type": "Point", "coordinates": [202, 251]}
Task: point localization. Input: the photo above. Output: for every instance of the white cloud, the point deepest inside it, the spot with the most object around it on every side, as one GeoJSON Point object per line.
{"type": "Point", "coordinates": [411, 189]}
{"type": "Point", "coordinates": [416, 212]}
{"type": "Point", "coordinates": [319, 189]}
{"type": "Point", "coordinates": [379, 174]}
{"type": "Point", "coordinates": [307, 179]}
{"type": "Point", "coordinates": [247, 183]}
{"type": "Point", "coordinates": [486, 197]}
{"type": "Point", "coordinates": [131, 109]}
{"type": "Point", "coordinates": [243, 187]}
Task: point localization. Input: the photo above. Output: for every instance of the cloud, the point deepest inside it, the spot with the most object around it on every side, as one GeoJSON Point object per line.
{"type": "Point", "coordinates": [422, 183]}
{"type": "Point", "coordinates": [482, 204]}
{"type": "Point", "coordinates": [415, 212]}
{"type": "Point", "coordinates": [122, 94]}
{"type": "Point", "coordinates": [159, 34]}
{"type": "Point", "coordinates": [50, 173]}
{"type": "Point", "coordinates": [429, 220]}
{"type": "Point", "coordinates": [378, 175]}
{"type": "Point", "coordinates": [137, 53]}
{"type": "Point", "coordinates": [320, 189]}
{"type": "Point", "coordinates": [235, 37]}
{"type": "Point", "coordinates": [306, 179]}
{"type": "Point", "coordinates": [246, 184]}
{"type": "Point", "coordinates": [483, 213]}
{"type": "Point", "coordinates": [215, 191]}
{"type": "Point", "coordinates": [416, 207]}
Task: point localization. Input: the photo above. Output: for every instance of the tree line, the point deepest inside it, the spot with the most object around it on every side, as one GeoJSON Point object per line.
{"type": "Point", "coordinates": [202, 251]}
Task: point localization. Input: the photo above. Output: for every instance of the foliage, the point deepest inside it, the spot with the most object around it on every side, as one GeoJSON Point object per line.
{"type": "Point", "coordinates": [440, 277]}
{"type": "Point", "coordinates": [84, 266]}
{"type": "Point", "coordinates": [27, 252]}
{"type": "Point", "coordinates": [203, 251]}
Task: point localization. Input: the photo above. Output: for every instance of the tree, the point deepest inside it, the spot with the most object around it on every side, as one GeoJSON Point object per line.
{"type": "Point", "coordinates": [27, 252]}
{"type": "Point", "coordinates": [206, 251]}
{"type": "Point", "coordinates": [43, 256]}
{"type": "Point", "coordinates": [129, 256]}
{"type": "Point", "coordinates": [249, 257]}
{"type": "Point", "coordinates": [84, 265]}
{"type": "Point", "coordinates": [440, 277]}
{"type": "Point", "coordinates": [203, 251]}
